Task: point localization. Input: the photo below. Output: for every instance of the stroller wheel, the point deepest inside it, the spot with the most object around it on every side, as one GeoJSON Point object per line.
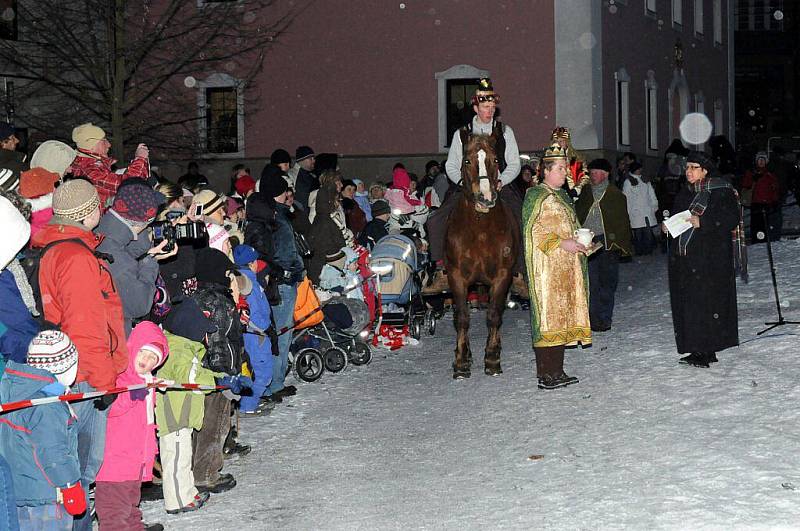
{"type": "Point", "coordinates": [308, 365]}
{"type": "Point", "coordinates": [415, 330]}
{"type": "Point", "coordinates": [335, 359]}
{"type": "Point", "coordinates": [430, 322]}
{"type": "Point", "coordinates": [360, 354]}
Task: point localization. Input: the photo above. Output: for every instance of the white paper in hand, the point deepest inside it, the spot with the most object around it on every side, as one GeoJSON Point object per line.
{"type": "Point", "coordinates": [678, 223]}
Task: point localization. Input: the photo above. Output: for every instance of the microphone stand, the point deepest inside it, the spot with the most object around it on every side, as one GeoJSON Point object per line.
{"type": "Point", "coordinates": [781, 321]}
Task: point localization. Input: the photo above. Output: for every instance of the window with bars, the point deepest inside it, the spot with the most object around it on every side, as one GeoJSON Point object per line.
{"type": "Point", "coordinates": [698, 17]}
{"type": "Point", "coordinates": [717, 21]}
{"type": "Point", "coordinates": [650, 7]}
{"type": "Point", "coordinates": [8, 20]}
{"type": "Point", "coordinates": [677, 13]}
{"type": "Point", "coordinates": [623, 108]}
{"type": "Point", "coordinates": [651, 94]}
{"type": "Point", "coordinates": [759, 15]}
{"type": "Point", "coordinates": [459, 107]}
{"type": "Point", "coordinates": [222, 120]}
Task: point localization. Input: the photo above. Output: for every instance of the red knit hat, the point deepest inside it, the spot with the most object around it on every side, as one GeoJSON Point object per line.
{"type": "Point", "coordinates": [37, 182]}
{"type": "Point", "coordinates": [244, 184]}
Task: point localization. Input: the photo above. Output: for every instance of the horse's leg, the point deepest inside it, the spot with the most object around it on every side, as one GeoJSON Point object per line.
{"type": "Point", "coordinates": [463, 359]}
{"type": "Point", "coordinates": [494, 318]}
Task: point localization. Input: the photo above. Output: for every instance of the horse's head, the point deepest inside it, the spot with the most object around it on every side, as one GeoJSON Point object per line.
{"type": "Point", "coordinates": [479, 172]}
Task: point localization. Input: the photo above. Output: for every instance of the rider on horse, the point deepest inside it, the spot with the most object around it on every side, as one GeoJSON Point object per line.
{"type": "Point", "coordinates": [484, 103]}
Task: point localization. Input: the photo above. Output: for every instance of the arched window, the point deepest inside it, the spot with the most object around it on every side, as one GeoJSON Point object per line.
{"type": "Point", "coordinates": [220, 108]}
{"type": "Point", "coordinates": [623, 81]}
{"type": "Point", "coordinates": [455, 87]}
{"type": "Point", "coordinates": [651, 102]}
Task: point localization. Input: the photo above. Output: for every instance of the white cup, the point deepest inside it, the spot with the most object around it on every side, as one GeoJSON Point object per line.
{"type": "Point", "coordinates": [584, 237]}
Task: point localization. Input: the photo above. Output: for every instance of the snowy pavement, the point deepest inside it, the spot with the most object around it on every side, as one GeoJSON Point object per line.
{"type": "Point", "coordinates": [640, 443]}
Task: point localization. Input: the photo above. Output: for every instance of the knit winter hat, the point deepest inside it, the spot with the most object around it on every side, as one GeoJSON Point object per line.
{"type": "Point", "coordinates": [280, 156]}
{"type": "Point", "coordinates": [53, 351]}
{"type": "Point", "coordinates": [232, 205]}
{"type": "Point", "coordinates": [75, 200]}
{"type": "Point", "coordinates": [244, 254]}
{"type": "Point", "coordinates": [53, 156]}
{"type": "Point", "coordinates": [86, 136]}
{"type": "Point", "coordinates": [9, 179]}
{"type": "Point", "coordinates": [379, 207]}
{"type": "Point", "coordinates": [273, 184]}
{"type": "Point", "coordinates": [334, 256]}
{"type": "Point", "coordinates": [6, 130]}
{"type": "Point", "coordinates": [244, 184]}
{"type": "Point", "coordinates": [217, 236]}
{"type": "Point", "coordinates": [149, 347]}
{"type": "Point", "coordinates": [136, 202]}
{"type": "Point", "coordinates": [211, 266]}
{"type": "Point", "coordinates": [210, 200]}
{"type": "Point", "coordinates": [302, 153]}
{"type": "Point", "coordinates": [15, 234]}
{"type": "Point", "coordinates": [601, 164]}
{"type": "Point", "coordinates": [186, 319]}
{"type": "Point", "coordinates": [37, 182]}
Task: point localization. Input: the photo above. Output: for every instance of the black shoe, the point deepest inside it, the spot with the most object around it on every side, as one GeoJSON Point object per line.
{"type": "Point", "coordinates": [712, 358]}
{"type": "Point", "coordinates": [223, 484]}
{"type": "Point", "coordinates": [601, 327]}
{"type": "Point", "coordinates": [236, 449]}
{"type": "Point", "coordinates": [152, 492]}
{"type": "Point", "coordinates": [289, 390]}
{"type": "Point", "coordinates": [691, 358]}
{"type": "Point", "coordinates": [273, 398]}
{"type": "Point", "coordinates": [556, 382]}
{"type": "Point", "coordinates": [153, 527]}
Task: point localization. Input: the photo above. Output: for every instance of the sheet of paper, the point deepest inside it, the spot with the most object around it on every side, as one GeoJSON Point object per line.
{"type": "Point", "coordinates": [678, 223]}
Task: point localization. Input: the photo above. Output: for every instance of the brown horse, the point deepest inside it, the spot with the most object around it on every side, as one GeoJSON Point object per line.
{"type": "Point", "coordinates": [482, 245]}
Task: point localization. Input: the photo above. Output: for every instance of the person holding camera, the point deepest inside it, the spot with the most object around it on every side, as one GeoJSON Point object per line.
{"type": "Point", "coordinates": [135, 259]}
{"type": "Point", "coordinates": [93, 162]}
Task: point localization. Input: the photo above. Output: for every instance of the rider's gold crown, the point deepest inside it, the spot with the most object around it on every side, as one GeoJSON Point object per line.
{"type": "Point", "coordinates": [554, 151]}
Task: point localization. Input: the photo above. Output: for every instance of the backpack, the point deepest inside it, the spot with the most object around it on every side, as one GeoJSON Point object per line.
{"type": "Point", "coordinates": [31, 263]}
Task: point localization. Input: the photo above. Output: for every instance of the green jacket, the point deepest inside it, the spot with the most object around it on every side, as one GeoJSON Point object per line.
{"type": "Point", "coordinates": [614, 211]}
{"type": "Point", "coordinates": [182, 409]}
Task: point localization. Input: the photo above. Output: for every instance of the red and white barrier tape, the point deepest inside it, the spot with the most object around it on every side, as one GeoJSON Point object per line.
{"type": "Point", "coordinates": [74, 397]}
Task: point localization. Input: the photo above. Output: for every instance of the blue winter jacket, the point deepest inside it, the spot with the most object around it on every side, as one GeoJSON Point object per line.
{"type": "Point", "coordinates": [284, 249]}
{"type": "Point", "coordinates": [40, 441]}
{"type": "Point", "coordinates": [257, 346]}
{"type": "Point", "coordinates": [15, 316]}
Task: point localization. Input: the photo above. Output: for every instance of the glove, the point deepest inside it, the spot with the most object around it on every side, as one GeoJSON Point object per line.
{"type": "Point", "coordinates": [273, 340]}
{"type": "Point", "coordinates": [104, 402]}
{"type": "Point", "coordinates": [237, 384]}
{"type": "Point", "coordinates": [73, 498]}
{"type": "Point", "coordinates": [139, 394]}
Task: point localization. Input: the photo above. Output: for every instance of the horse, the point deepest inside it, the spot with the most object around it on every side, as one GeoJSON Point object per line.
{"type": "Point", "coordinates": [482, 246]}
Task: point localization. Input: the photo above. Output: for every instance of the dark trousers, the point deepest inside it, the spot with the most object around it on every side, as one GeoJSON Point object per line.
{"type": "Point", "coordinates": [643, 241]}
{"type": "Point", "coordinates": [117, 504]}
{"type": "Point", "coordinates": [207, 456]}
{"type": "Point", "coordinates": [603, 279]}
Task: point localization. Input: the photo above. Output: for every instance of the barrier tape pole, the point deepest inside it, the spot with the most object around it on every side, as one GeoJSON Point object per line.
{"type": "Point", "coordinates": [74, 397]}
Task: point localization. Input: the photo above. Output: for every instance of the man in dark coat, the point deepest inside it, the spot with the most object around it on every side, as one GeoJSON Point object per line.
{"type": "Point", "coordinates": [702, 281]}
{"type": "Point", "coordinates": [603, 209]}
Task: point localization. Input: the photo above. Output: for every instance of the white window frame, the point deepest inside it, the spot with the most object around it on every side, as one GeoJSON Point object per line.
{"type": "Point", "coordinates": [622, 83]}
{"type": "Point", "coordinates": [717, 16]}
{"type": "Point", "coordinates": [651, 104]}
{"type": "Point", "coordinates": [698, 18]}
{"type": "Point", "coordinates": [220, 80]}
{"type": "Point", "coordinates": [454, 72]}
{"type": "Point", "coordinates": [650, 8]}
{"type": "Point", "coordinates": [719, 117]}
{"type": "Point", "coordinates": [677, 14]}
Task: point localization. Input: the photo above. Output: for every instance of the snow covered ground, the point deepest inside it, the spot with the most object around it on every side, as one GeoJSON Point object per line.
{"type": "Point", "coordinates": [640, 443]}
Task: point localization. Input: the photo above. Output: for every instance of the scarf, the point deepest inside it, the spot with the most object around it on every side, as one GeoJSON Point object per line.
{"type": "Point", "coordinates": [698, 206]}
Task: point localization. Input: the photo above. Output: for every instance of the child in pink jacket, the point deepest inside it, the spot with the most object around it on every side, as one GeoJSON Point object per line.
{"type": "Point", "coordinates": [131, 445]}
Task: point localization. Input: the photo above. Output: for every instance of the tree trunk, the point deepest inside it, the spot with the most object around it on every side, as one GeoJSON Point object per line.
{"type": "Point", "coordinates": [118, 82]}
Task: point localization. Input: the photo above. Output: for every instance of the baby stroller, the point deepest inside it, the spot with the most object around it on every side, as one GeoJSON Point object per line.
{"type": "Point", "coordinates": [395, 262]}
{"type": "Point", "coordinates": [336, 339]}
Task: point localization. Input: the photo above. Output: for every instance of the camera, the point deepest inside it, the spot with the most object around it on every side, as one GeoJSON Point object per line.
{"type": "Point", "coordinates": [164, 230]}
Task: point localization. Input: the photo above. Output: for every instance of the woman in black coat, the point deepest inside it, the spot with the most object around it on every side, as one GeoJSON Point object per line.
{"type": "Point", "coordinates": [325, 236]}
{"type": "Point", "coordinates": [702, 278]}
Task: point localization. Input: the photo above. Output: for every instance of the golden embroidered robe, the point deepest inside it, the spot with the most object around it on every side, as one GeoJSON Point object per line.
{"type": "Point", "coordinates": [558, 281]}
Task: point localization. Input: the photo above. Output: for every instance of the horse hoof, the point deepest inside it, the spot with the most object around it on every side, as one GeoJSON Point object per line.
{"type": "Point", "coordinates": [460, 375]}
{"type": "Point", "coordinates": [493, 371]}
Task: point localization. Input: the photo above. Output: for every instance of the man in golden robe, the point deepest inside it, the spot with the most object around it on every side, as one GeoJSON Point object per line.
{"type": "Point", "coordinates": [557, 272]}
